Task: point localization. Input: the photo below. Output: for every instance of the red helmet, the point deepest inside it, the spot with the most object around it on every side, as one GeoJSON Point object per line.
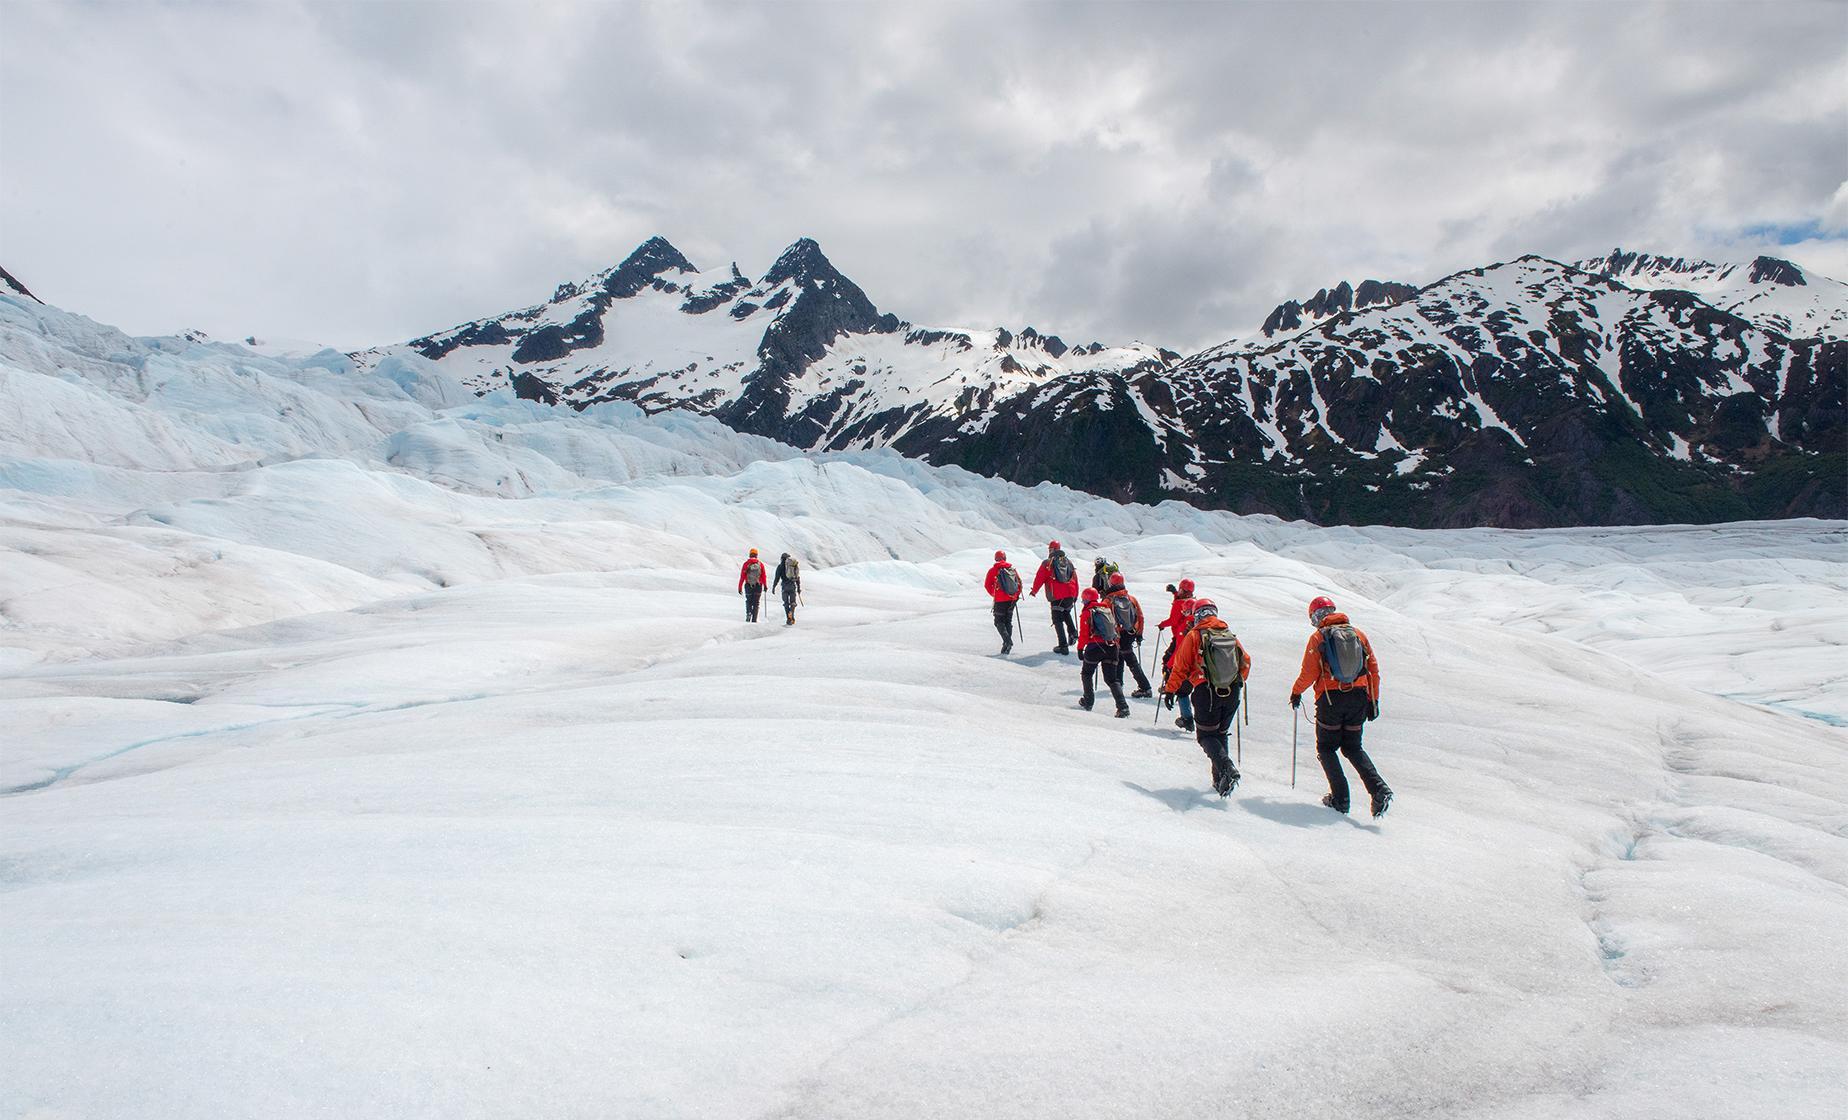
{"type": "Point", "coordinates": [1090, 595]}
{"type": "Point", "coordinates": [1116, 579]}
{"type": "Point", "coordinates": [1187, 587]}
{"type": "Point", "coordinates": [999, 555]}
{"type": "Point", "coordinates": [1320, 605]}
{"type": "Point", "coordinates": [1052, 546]}
{"type": "Point", "coordinates": [1204, 609]}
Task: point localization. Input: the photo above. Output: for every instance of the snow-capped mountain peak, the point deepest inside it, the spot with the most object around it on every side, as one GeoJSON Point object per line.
{"type": "Point", "coordinates": [1294, 316]}
{"type": "Point", "coordinates": [1770, 291]}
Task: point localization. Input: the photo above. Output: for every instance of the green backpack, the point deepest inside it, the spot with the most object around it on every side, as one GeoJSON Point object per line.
{"type": "Point", "coordinates": [1222, 659]}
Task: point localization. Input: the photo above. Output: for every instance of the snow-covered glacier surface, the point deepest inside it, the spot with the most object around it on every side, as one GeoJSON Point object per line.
{"type": "Point", "coordinates": [369, 749]}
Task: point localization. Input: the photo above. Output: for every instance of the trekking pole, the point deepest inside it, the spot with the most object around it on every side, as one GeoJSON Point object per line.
{"type": "Point", "coordinates": [1295, 721]}
{"type": "Point", "coordinates": [1164, 683]}
{"type": "Point", "coordinates": [1238, 737]}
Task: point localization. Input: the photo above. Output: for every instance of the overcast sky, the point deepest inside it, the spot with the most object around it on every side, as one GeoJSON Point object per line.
{"type": "Point", "coordinates": [360, 173]}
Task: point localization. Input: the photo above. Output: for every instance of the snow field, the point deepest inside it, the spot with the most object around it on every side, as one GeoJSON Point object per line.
{"type": "Point", "coordinates": [386, 783]}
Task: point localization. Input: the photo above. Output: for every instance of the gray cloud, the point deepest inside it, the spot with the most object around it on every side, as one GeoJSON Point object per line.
{"type": "Point", "coordinates": [366, 172]}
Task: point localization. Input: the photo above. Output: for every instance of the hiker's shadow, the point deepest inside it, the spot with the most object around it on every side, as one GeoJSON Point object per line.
{"type": "Point", "coordinates": [1180, 800]}
{"type": "Point", "coordinates": [1300, 814]}
{"type": "Point", "coordinates": [1035, 659]}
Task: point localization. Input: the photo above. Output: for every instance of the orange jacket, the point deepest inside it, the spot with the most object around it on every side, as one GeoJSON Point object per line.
{"type": "Point", "coordinates": [1315, 671]}
{"type": "Point", "coordinates": [1180, 615]}
{"type": "Point", "coordinates": [1187, 669]}
{"type": "Point", "coordinates": [752, 572]}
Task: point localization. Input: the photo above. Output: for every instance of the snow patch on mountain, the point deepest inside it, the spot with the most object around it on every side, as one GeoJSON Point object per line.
{"type": "Point", "coordinates": [1773, 293]}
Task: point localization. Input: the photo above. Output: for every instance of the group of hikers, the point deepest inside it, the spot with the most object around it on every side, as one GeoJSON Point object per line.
{"type": "Point", "coordinates": [752, 582]}
{"type": "Point", "coordinates": [1205, 668]}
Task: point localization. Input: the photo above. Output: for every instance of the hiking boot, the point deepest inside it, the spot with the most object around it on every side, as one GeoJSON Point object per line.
{"type": "Point", "coordinates": [1141, 694]}
{"type": "Point", "coordinates": [1381, 802]}
{"type": "Point", "coordinates": [1185, 723]}
{"type": "Point", "coordinates": [1085, 704]}
{"type": "Point", "coordinates": [1123, 712]}
{"type": "Point", "coordinates": [1226, 782]}
{"type": "Point", "coordinates": [1328, 799]}
{"type": "Point", "coordinates": [1060, 650]}
{"type": "Point", "coordinates": [1007, 649]}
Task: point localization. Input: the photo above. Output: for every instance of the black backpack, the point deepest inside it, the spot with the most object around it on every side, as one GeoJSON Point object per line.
{"type": "Point", "coordinates": [1103, 624]}
{"type": "Point", "coordinates": [1062, 569]}
{"type": "Point", "coordinates": [1125, 612]}
{"type": "Point", "coordinates": [1008, 580]}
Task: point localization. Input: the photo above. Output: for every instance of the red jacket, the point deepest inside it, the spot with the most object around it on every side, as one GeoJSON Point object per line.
{"type": "Point", "coordinates": [1180, 616]}
{"type": "Point", "coordinates": [1187, 669]}
{"type": "Point", "coordinates": [1135, 631]}
{"type": "Point", "coordinates": [993, 583]}
{"type": "Point", "coordinates": [1315, 671]}
{"type": "Point", "coordinates": [1085, 637]}
{"type": "Point", "coordinates": [1055, 589]}
{"type": "Point", "coordinates": [752, 572]}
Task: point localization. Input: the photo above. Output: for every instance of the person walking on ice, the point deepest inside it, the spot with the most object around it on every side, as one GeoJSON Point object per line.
{"type": "Point", "coordinates": [1339, 664]}
{"type": "Point", "coordinates": [1097, 646]}
{"type": "Point", "coordinates": [1179, 621]}
{"type": "Point", "coordinates": [1129, 631]}
{"type": "Point", "coordinates": [1212, 666]}
{"type": "Point", "coordinates": [751, 581]}
{"type": "Point", "coordinates": [1060, 579]}
{"type": "Point", "coordinates": [1003, 586]}
{"type": "Point", "coordinates": [789, 578]}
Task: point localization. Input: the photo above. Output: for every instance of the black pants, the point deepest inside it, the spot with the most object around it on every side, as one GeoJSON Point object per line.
{"type": "Point", "coordinates": [1004, 623]}
{"type": "Point", "coordinates": [1339, 718]}
{"type": "Point", "coordinates": [1098, 654]}
{"type": "Point", "coordinates": [1213, 715]}
{"type": "Point", "coordinates": [1126, 652]}
{"type": "Point", "coordinates": [1062, 623]}
{"type": "Point", "coordinates": [753, 595]}
{"type": "Point", "coordinates": [790, 591]}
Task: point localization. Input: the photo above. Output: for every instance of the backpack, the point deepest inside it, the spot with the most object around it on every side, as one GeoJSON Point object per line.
{"type": "Point", "coordinates": [1062, 570]}
{"type": "Point", "coordinates": [1342, 652]}
{"type": "Point", "coordinates": [792, 571]}
{"type": "Point", "coordinates": [1125, 612]}
{"type": "Point", "coordinates": [1008, 580]}
{"type": "Point", "coordinates": [1222, 660]}
{"type": "Point", "coordinates": [1103, 624]}
{"type": "Point", "coordinates": [754, 573]}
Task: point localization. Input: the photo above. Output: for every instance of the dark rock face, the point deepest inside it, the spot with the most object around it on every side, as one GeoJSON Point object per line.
{"type": "Point", "coordinates": [1329, 302]}
{"type": "Point", "coordinates": [1771, 270]}
{"type": "Point", "coordinates": [9, 284]}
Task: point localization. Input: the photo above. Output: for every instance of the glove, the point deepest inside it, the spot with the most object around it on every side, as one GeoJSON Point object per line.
{"type": "Point", "coordinates": [1167, 700]}
{"type": "Point", "coordinates": [1373, 710]}
{"type": "Point", "coordinates": [1296, 700]}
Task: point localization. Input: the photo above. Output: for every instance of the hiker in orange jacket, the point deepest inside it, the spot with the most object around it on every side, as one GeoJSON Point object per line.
{"type": "Point", "coordinates": [1338, 663]}
{"type": "Point", "coordinates": [751, 585]}
{"type": "Point", "coordinates": [1214, 708]}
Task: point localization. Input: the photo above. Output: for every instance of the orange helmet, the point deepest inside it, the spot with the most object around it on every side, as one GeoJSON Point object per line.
{"type": "Point", "coordinates": [753, 552]}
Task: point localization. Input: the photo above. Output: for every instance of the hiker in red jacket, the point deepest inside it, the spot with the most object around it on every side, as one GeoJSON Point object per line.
{"type": "Point", "coordinates": [1339, 664]}
{"type": "Point", "coordinates": [1129, 632]}
{"type": "Point", "coordinates": [1097, 645]}
{"type": "Point", "coordinates": [751, 585]}
{"type": "Point", "coordinates": [1059, 577]}
{"type": "Point", "coordinates": [1003, 586]}
{"type": "Point", "coordinates": [1180, 620]}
